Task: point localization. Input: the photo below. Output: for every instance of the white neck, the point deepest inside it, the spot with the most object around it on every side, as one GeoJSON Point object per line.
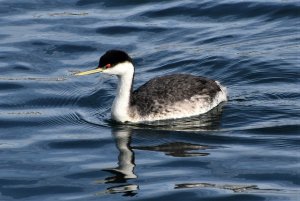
{"type": "Point", "coordinates": [120, 107]}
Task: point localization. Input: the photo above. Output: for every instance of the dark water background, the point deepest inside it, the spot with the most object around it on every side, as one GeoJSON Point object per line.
{"type": "Point", "coordinates": [56, 138]}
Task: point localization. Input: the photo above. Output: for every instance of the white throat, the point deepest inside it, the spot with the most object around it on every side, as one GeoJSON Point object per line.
{"type": "Point", "coordinates": [120, 107]}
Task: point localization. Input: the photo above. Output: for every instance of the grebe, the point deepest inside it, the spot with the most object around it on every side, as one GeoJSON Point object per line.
{"type": "Point", "coordinates": [165, 97]}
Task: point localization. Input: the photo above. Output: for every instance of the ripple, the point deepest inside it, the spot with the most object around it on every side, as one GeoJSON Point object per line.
{"type": "Point", "coordinates": [108, 3]}
{"type": "Point", "coordinates": [66, 48]}
{"type": "Point", "coordinates": [274, 176]}
{"type": "Point", "coordinates": [9, 86]}
{"type": "Point", "coordinates": [87, 174]}
{"type": "Point", "coordinates": [78, 144]}
{"type": "Point", "coordinates": [25, 192]}
{"type": "Point", "coordinates": [224, 10]}
{"type": "Point", "coordinates": [120, 30]}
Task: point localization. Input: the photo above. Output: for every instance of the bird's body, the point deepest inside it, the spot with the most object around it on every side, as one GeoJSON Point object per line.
{"type": "Point", "coordinates": [165, 97]}
{"type": "Point", "coordinates": [175, 96]}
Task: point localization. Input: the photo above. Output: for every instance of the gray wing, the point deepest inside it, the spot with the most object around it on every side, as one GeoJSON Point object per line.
{"type": "Point", "coordinates": [169, 89]}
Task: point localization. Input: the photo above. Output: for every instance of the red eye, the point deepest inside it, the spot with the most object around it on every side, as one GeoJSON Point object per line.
{"type": "Point", "coordinates": [107, 65]}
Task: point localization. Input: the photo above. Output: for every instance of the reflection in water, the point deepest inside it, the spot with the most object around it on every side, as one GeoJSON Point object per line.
{"type": "Point", "coordinates": [126, 155]}
{"type": "Point", "coordinates": [124, 172]}
{"type": "Point", "coordinates": [237, 188]}
{"type": "Point", "coordinates": [126, 164]}
{"type": "Point", "coordinates": [125, 169]}
{"type": "Point", "coordinates": [127, 190]}
{"type": "Point", "coordinates": [234, 188]}
{"type": "Point", "coordinates": [177, 149]}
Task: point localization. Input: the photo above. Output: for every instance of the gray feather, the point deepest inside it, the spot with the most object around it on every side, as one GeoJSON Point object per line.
{"type": "Point", "coordinates": [167, 90]}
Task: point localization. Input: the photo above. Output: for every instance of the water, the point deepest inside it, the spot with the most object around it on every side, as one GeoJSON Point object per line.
{"type": "Point", "coordinates": [57, 141]}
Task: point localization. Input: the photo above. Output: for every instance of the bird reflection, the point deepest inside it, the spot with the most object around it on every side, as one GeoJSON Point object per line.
{"type": "Point", "coordinates": [125, 169]}
{"type": "Point", "coordinates": [124, 179]}
{"type": "Point", "coordinates": [177, 149]}
{"type": "Point", "coordinates": [124, 174]}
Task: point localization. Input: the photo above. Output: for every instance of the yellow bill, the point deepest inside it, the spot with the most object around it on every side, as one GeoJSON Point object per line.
{"type": "Point", "coordinates": [97, 70]}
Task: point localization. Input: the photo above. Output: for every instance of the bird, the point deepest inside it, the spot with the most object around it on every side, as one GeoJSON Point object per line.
{"type": "Point", "coordinates": [161, 98]}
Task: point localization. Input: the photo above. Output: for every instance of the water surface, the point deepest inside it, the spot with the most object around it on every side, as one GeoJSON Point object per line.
{"type": "Point", "coordinates": [57, 141]}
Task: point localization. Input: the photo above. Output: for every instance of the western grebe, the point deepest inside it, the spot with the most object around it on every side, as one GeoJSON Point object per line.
{"type": "Point", "coordinates": [165, 97]}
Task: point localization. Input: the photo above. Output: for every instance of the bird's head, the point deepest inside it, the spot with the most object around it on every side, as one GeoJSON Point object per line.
{"type": "Point", "coordinates": [114, 62]}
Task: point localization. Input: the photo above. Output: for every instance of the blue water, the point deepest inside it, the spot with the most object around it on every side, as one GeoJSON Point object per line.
{"type": "Point", "coordinates": [57, 141]}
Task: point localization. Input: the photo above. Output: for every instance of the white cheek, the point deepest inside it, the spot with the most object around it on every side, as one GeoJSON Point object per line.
{"type": "Point", "coordinates": [110, 71]}
{"type": "Point", "coordinates": [120, 69]}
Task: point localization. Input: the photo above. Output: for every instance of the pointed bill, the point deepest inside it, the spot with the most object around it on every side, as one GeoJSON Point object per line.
{"type": "Point", "coordinates": [97, 70]}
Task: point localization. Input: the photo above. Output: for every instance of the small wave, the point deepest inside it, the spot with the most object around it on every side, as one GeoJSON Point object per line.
{"type": "Point", "coordinates": [236, 10]}
{"type": "Point", "coordinates": [122, 29]}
